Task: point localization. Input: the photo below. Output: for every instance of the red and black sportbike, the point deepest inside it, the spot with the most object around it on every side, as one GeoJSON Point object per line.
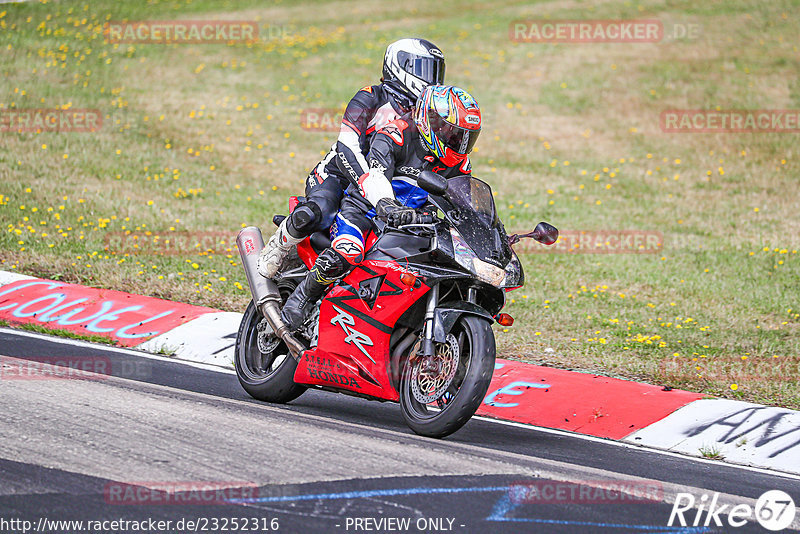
{"type": "Point", "coordinates": [412, 323]}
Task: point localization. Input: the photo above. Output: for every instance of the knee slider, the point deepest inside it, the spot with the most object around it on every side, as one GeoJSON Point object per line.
{"type": "Point", "coordinates": [331, 265]}
{"type": "Point", "coordinates": [328, 204]}
{"type": "Point", "coordinates": [304, 219]}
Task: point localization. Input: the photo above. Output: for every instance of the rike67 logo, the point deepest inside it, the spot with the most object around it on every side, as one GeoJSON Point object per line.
{"type": "Point", "coordinates": [774, 510]}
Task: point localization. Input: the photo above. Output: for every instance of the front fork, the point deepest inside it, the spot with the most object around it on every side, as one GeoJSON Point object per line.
{"type": "Point", "coordinates": [428, 349]}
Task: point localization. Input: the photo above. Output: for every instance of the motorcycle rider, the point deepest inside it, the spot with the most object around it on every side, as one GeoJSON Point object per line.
{"type": "Point", "coordinates": [409, 65]}
{"type": "Point", "coordinates": [437, 136]}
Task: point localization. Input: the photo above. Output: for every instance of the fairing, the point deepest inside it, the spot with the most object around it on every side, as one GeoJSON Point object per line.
{"type": "Point", "coordinates": [356, 321]}
{"type": "Point", "coordinates": [469, 206]}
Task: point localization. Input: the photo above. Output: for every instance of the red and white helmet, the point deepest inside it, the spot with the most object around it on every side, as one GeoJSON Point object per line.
{"type": "Point", "coordinates": [449, 121]}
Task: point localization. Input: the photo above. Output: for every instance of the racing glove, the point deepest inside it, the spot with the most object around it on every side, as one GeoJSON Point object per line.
{"type": "Point", "coordinates": [396, 214]}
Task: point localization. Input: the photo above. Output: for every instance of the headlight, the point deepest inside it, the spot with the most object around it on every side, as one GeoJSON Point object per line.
{"type": "Point", "coordinates": [485, 272]}
{"type": "Point", "coordinates": [514, 276]}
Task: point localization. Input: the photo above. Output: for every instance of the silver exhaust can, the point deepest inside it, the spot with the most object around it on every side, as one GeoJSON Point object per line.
{"type": "Point", "coordinates": [250, 242]}
{"type": "Point", "coordinates": [265, 292]}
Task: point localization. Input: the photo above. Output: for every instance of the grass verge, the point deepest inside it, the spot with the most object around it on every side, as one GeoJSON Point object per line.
{"type": "Point", "coordinates": [208, 138]}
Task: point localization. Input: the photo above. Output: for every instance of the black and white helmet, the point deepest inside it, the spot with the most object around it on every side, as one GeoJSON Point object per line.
{"type": "Point", "coordinates": [410, 65]}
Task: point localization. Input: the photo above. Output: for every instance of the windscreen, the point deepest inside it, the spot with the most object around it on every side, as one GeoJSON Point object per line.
{"type": "Point", "coordinates": [469, 206]}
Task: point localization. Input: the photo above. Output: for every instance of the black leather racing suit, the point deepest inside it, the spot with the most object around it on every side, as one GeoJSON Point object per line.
{"type": "Point", "coordinates": [396, 158]}
{"type": "Point", "coordinates": [369, 110]}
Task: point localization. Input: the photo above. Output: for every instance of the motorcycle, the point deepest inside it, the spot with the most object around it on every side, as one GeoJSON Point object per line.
{"type": "Point", "coordinates": [411, 324]}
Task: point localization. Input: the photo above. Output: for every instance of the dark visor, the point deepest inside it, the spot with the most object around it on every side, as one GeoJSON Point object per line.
{"type": "Point", "coordinates": [454, 137]}
{"type": "Point", "coordinates": [429, 69]}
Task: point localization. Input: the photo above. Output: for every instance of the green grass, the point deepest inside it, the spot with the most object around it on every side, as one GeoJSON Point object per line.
{"type": "Point", "coordinates": [711, 452]}
{"type": "Point", "coordinates": [39, 329]}
{"type": "Point", "coordinates": [201, 138]}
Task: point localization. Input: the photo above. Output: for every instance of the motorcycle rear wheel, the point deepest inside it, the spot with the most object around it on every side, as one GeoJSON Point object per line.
{"type": "Point", "coordinates": [467, 388]}
{"type": "Point", "coordinates": [266, 377]}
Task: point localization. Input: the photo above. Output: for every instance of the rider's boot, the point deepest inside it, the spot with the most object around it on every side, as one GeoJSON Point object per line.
{"type": "Point", "coordinates": [329, 267]}
{"type": "Point", "coordinates": [291, 231]}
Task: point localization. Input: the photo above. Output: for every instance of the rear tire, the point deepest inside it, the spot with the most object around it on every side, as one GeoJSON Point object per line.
{"type": "Point", "coordinates": [460, 401]}
{"type": "Point", "coordinates": [266, 377]}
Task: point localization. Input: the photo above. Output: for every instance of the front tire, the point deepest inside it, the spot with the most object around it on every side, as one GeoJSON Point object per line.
{"type": "Point", "coordinates": [473, 339]}
{"type": "Point", "coordinates": [266, 377]}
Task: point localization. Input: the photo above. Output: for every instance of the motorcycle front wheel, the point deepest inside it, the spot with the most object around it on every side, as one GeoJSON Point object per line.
{"type": "Point", "coordinates": [436, 405]}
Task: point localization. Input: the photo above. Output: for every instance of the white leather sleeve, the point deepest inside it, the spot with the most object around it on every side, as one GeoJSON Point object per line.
{"type": "Point", "coordinates": [376, 186]}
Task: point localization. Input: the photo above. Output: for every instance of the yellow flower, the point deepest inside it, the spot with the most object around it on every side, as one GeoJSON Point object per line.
{"type": "Point", "coordinates": [734, 387]}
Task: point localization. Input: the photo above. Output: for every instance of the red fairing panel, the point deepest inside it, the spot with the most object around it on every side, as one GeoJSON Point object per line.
{"type": "Point", "coordinates": [307, 253]}
{"type": "Point", "coordinates": [356, 322]}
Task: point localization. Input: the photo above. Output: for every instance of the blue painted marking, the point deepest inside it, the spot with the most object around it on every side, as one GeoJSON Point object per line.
{"type": "Point", "coordinates": [645, 528]}
{"type": "Point", "coordinates": [371, 493]}
{"type": "Point", "coordinates": [504, 505]}
{"type": "Point", "coordinates": [498, 366]}
{"type": "Point", "coordinates": [501, 508]}
{"type": "Point", "coordinates": [508, 389]}
{"type": "Point", "coordinates": [499, 512]}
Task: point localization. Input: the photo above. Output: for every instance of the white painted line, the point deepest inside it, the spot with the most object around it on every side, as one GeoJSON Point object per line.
{"type": "Point", "coordinates": [648, 448]}
{"type": "Point", "coordinates": [742, 432]}
{"type": "Point", "coordinates": [209, 338]}
{"type": "Point", "coordinates": [564, 433]}
{"type": "Point", "coordinates": [9, 277]}
{"type": "Point", "coordinates": [121, 350]}
{"type": "Point", "coordinates": [543, 468]}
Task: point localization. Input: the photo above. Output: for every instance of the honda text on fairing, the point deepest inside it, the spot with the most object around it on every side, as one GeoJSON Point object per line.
{"type": "Point", "coordinates": [411, 323]}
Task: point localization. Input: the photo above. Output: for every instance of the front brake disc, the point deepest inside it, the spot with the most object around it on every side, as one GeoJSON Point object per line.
{"type": "Point", "coordinates": [427, 388]}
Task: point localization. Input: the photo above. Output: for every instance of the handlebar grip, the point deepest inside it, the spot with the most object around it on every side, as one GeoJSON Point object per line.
{"type": "Point", "coordinates": [426, 218]}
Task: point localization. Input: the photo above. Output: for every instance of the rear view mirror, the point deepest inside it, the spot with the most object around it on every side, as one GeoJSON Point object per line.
{"type": "Point", "coordinates": [544, 233]}
{"type": "Point", "coordinates": [432, 183]}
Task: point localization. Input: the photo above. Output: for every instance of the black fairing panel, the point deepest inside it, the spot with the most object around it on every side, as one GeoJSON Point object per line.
{"type": "Point", "coordinates": [397, 245]}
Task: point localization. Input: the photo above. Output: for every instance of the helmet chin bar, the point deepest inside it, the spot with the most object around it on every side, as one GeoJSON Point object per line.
{"type": "Point", "coordinates": [452, 158]}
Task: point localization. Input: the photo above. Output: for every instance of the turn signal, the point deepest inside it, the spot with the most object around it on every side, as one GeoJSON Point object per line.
{"type": "Point", "coordinates": [408, 279]}
{"type": "Point", "coordinates": [505, 319]}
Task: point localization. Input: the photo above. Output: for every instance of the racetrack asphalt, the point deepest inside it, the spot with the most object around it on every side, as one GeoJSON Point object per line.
{"type": "Point", "coordinates": [323, 463]}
